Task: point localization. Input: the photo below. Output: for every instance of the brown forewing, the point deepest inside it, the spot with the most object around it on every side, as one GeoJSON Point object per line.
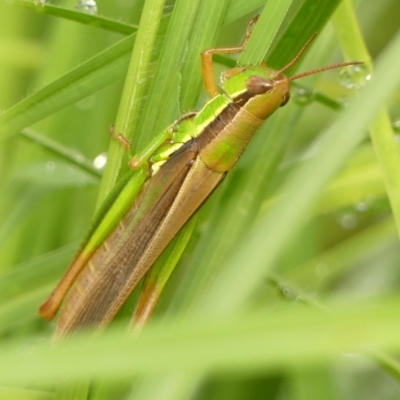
{"type": "Point", "coordinates": [164, 205]}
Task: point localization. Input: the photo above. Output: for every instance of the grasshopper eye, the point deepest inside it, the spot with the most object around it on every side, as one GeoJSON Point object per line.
{"type": "Point", "coordinates": [286, 98]}
{"type": "Point", "coordinates": [259, 85]}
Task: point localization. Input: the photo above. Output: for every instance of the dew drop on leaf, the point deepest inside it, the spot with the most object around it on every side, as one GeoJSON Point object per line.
{"type": "Point", "coordinates": [88, 6]}
{"type": "Point", "coordinates": [302, 96]}
{"type": "Point", "coordinates": [100, 161]}
{"type": "Point", "coordinates": [354, 76]}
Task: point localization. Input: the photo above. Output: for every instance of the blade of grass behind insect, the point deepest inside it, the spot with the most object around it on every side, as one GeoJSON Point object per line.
{"type": "Point", "coordinates": [203, 36]}
{"type": "Point", "coordinates": [237, 9]}
{"type": "Point", "coordinates": [381, 131]}
{"type": "Point", "coordinates": [154, 118]}
{"type": "Point", "coordinates": [97, 73]}
{"type": "Point", "coordinates": [310, 18]}
{"type": "Point", "coordinates": [68, 154]}
{"type": "Point", "coordinates": [136, 85]}
{"type": "Point", "coordinates": [105, 68]}
{"type": "Point", "coordinates": [264, 32]}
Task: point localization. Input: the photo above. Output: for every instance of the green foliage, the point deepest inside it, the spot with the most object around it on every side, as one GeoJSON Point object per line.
{"type": "Point", "coordinates": [288, 287]}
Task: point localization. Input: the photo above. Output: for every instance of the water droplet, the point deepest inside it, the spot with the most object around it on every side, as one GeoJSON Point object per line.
{"type": "Point", "coordinates": [88, 6]}
{"type": "Point", "coordinates": [78, 157]}
{"type": "Point", "coordinates": [100, 161]}
{"type": "Point", "coordinates": [354, 76]}
{"type": "Point", "coordinates": [302, 96]}
{"type": "Point", "coordinates": [396, 125]}
{"type": "Point", "coordinates": [362, 206]}
{"type": "Point", "coordinates": [287, 292]}
{"type": "Point", "coordinates": [50, 166]}
{"type": "Point", "coordinates": [348, 221]}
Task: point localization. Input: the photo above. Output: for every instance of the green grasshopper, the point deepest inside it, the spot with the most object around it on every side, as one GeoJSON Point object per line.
{"type": "Point", "coordinates": [169, 180]}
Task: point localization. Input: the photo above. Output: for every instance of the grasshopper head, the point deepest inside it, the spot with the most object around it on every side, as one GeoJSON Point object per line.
{"type": "Point", "coordinates": [261, 88]}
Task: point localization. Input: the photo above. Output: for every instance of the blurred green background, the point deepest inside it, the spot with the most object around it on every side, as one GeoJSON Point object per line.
{"type": "Point", "coordinates": [62, 71]}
